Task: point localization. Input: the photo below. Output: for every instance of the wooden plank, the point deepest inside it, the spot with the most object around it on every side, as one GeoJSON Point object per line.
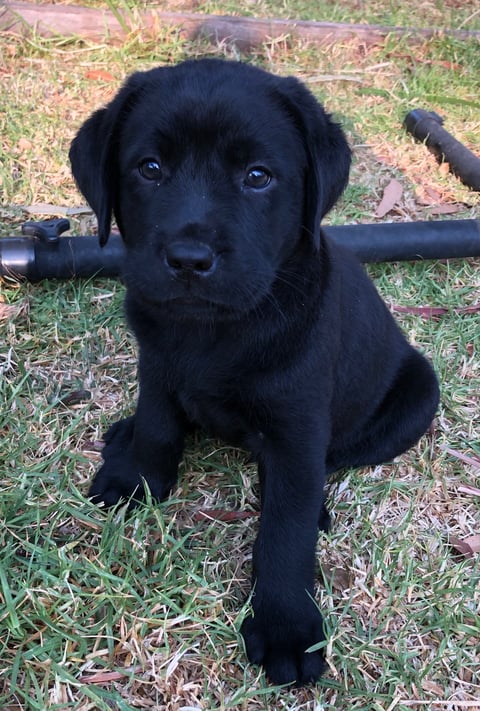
{"type": "Point", "coordinates": [245, 32]}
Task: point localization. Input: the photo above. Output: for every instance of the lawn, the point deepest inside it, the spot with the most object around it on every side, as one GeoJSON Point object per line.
{"type": "Point", "coordinates": [104, 610]}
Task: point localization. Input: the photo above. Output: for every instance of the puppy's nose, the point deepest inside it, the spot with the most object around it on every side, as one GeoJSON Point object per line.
{"type": "Point", "coordinates": [188, 257]}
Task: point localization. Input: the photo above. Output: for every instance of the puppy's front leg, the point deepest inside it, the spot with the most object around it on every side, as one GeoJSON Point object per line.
{"type": "Point", "coordinates": [145, 447]}
{"type": "Point", "coordinates": [285, 620]}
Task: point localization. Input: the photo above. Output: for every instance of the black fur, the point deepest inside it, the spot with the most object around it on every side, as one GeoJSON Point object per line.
{"type": "Point", "coordinates": [249, 321]}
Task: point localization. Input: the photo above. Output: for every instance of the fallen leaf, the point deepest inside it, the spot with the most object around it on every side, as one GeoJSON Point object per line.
{"type": "Point", "coordinates": [473, 461]}
{"type": "Point", "coordinates": [92, 445]}
{"type": "Point", "coordinates": [340, 578]}
{"type": "Point", "coordinates": [24, 144]}
{"type": "Point", "coordinates": [462, 545]}
{"type": "Point", "coordinates": [424, 311]}
{"type": "Point", "coordinates": [471, 490]}
{"type": "Point", "coordinates": [435, 311]}
{"type": "Point", "coordinates": [445, 209]}
{"type": "Point", "coordinates": [75, 397]}
{"type": "Point", "coordinates": [445, 63]}
{"type": "Point", "coordinates": [43, 208]}
{"type": "Point", "coordinates": [7, 311]}
{"type": "Point", "coordinates": [102, 677]}
{"type": "Point", "coordinates": [11, 311]}
{"type": "Point", "coordinates": [424, 201]}
{"type": "Point", "coordinates": [432, 687]}
{"type": "Point", "coordinates": [97, 74]}
{"type": "Point", "coordinates": [421, 60]}
{"type": "Point", "coordinates": [473, 542]}
{"type": "Point", "coordinates": [391, 195]}
{"type": "Point", "coordinates": [434, 194]}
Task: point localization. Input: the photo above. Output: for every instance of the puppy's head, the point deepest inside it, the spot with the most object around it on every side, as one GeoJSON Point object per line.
{"type": "Point", "coordinates": [215, 171]}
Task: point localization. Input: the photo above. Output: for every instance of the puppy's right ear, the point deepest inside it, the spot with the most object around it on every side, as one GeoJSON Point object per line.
{"type": "Point", "coordinates": [93, 155]}
{"type": "Point", "coordinates": [90, 167]}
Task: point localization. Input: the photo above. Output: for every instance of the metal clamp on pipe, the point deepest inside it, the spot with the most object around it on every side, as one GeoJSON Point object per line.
{"type": "Point", "coordinates": [42, 253]}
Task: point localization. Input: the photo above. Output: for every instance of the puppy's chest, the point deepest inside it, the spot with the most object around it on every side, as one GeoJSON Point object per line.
{"type": "Point", "coordinates": [221, 411]}
{"type": "Point", "coordinates": [222, 407]}
{"type": "Point", "coordinates": [217, 387]}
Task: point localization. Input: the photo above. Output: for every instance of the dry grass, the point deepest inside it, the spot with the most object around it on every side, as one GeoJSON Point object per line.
{"type": "Point", "coordinates": [100, 611]}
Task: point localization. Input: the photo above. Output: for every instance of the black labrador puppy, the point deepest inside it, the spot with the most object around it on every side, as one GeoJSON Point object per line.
{"type": "Point", "coordinates": [249, 321]}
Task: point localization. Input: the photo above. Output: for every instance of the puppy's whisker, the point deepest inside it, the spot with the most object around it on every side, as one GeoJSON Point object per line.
{"type": "Point", "coordinates": [289, 280]}
{"type": "Point", "coordinates": [276, 305]}
{"type": "Point", "coordinates": [249, 294]}
{"type": "Point", "coordinates": [247, 290]}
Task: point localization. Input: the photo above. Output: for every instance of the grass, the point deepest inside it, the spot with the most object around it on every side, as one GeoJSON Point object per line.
{"type": "Point", "coordinates": [103, 611]}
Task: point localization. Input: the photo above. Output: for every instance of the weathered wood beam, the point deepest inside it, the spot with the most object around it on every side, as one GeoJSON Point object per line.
{"type": "Point", "coordinates": [245, 32]}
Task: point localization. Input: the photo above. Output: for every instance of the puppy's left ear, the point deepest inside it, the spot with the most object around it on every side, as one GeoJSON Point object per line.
{"type": "Point", "coordinates": [327, 150]}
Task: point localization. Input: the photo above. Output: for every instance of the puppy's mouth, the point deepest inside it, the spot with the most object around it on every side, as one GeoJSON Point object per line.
{"type": "Point", "coordinates": [189, 303]}
{"type": "Point", "coordinates": [183, 308]}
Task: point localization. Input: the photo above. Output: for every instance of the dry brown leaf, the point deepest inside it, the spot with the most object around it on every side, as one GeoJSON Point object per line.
{"type": "Point", "coordinates": [11, 311]}
{"type": "Point", "coordinates": [445, 209]}
{"type": "Point", "coordinates": [473, 542]}
{"type": "Point", "coordinates": [473, 461]}
{"type": "Point", "coordinates": [105, 677]}
{"type": "Point", "coordinates": [433, 194]}
{"type": "Point", "coordinates": [24, 144]}
{"type": "Point", "coordinates": [433, 687]}
{"type": "Point", "coordinates": [471, 490]}
{"type": "Point", "coordinates": [424, 200]}
{"type": "Point", "coordinates": [341, 579]}
{"type": "Point", "coordinates": [445, 63]}
{"type": "Point", "coordinates": [96, 74]}
{"type": "Point", "coordinates": [423, 311]}
{"type": "Point", "coordinates": [43, 208]}
{"type": "Point", "coordinates": [391, 196]}
{"type": "Point", "coordinates": [75, 397]}
{"type": "Point", "coordinates": [7, 311]}
{"type": "Point", "coordinates": [92, 445]}
{"type": "Point", "coordinates": [461, 546]}
{"type": "Point", "coordinates": [434, 311]}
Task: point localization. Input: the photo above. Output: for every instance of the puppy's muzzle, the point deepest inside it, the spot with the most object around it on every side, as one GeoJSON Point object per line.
{"type": "Point", "coordinates": [186, 259]}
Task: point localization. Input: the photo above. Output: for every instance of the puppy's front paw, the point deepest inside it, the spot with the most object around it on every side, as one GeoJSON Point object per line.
{"type": "Point", "coordinates": [116, 479]}
{"type": "Point", "coordinates": [279, 644]}
{"type": "Point", "coordinates": [121, 476]}
{"type": "Point", "coordinates": [324, 519]}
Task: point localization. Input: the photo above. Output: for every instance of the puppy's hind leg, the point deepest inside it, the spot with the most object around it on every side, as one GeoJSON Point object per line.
{"type": "Point", "coordinates": [402, 418]}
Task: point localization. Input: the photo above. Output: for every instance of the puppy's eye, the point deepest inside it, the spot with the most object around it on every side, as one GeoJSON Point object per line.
{"type": "Point", "coordinates": [151, 169]}
{"type": "Point", "coordinates": [257, 178]}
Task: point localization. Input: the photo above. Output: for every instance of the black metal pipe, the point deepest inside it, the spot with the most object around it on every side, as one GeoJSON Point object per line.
{"type": "Point", "coordinates": [69, 258]}
{"type": "Point", "coordinates": [409, 241]}
{"type": "Point", "coordinates": [43, 254]}
{"type": "Point", "coordinates": [426, 126]}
